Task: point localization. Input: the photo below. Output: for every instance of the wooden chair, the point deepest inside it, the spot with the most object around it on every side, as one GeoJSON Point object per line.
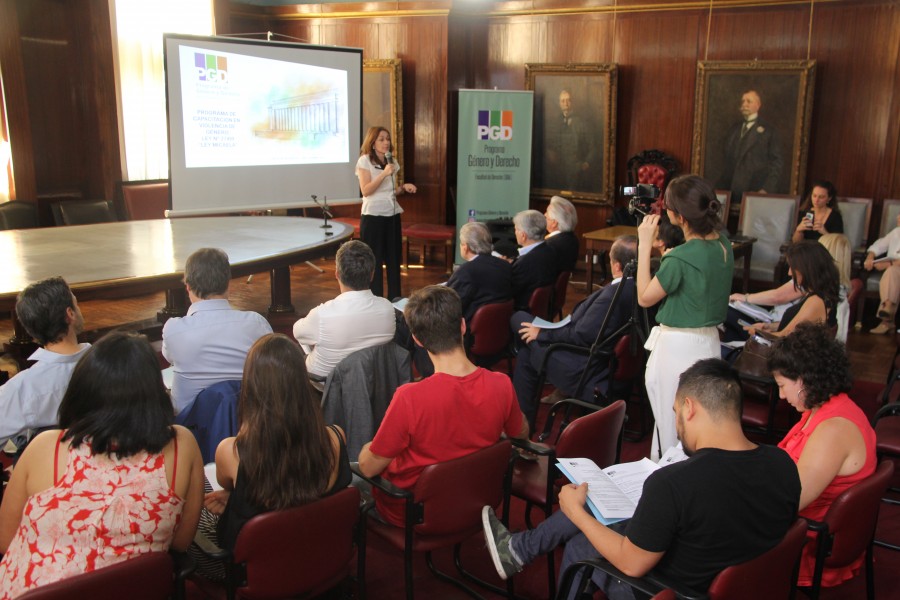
{"type": "Point", "coordinates": [654, 167]}
{"type": "Point", "coordinates": [771, 219]}
{"type": "Point", "coordinates": [772, 575]}
{"type": "Point", "coordinates": [143, 200]}
{"type": "Point", "coordinates": [443, 509]}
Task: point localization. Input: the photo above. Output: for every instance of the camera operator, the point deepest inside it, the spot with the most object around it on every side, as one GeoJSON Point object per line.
{"type": "Point", "coordinates": [693, 283]}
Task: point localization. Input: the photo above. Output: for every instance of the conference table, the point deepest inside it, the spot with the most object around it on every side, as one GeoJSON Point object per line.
{"type": "Point", "coordinates": [599, 242]}
{"type": "Point", "coordinates": [131, 258]}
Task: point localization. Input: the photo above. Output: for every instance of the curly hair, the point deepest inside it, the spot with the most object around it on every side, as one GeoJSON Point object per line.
{"type": "Point", "coordinates": [812, 355]}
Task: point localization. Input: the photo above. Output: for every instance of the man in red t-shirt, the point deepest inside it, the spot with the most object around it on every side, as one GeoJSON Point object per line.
{"type": "Point", "coordinates": [458, 410]}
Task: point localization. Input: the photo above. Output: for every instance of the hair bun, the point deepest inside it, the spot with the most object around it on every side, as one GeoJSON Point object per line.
{"type": "Point", "coordinates": [713, 207]}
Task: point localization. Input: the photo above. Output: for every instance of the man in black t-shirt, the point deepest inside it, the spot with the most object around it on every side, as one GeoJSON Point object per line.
{"type": "Point", "coordinates": [731, 501]}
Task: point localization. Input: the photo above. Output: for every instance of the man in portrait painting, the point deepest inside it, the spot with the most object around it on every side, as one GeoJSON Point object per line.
{"type": "Point", "coordinates": [572, 155]}
{"type": "Point", "coordinates": [752, 153]}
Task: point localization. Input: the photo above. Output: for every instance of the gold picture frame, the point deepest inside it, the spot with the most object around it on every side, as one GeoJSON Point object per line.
{"type": "Point", "coordinates": [574, 149]}
{"type": "Point", "coordinates": [767, 154]}
{"type": "Point", "coordinates": [383, 101]}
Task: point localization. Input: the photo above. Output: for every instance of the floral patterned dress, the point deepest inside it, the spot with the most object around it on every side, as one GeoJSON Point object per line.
{"type": "Point", "coordinates": [103, 511]}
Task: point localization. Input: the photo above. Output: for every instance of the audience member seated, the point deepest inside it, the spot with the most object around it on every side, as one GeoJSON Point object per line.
{"type": "Point", "coordinates": [458, 410]}
{"type": "Point", "coordinates": [29, 401]}
{"type": "Point", "coordinates": [816, 277]}
{"type": "Point", "coordinates": [483, 278]}
{"type": "Point", "coordinates": [564, 368]}
{"type": "Point", "coordinates": [561, 221]}
{"type": "Point", "coordinates": [820, 204]}
{"type": "Point", "coordinates": [283, 455]}
{"type": "Point", "coordinates": [833, 443]}
{"type": "Point", "coordinates": [210, 343]}
{"type": "Point", "coordinates": [889, 285]}
{"type": "Point", "coordinates": [354, 320]}
{"type": "Point", "coordinates": [118, 480]}
{"type": "Point", "coordinates": [788, 293]}
{"type": "Point", "coordinates": [536, 264]}
{"type": "Point", "coordinates": [731, 501]}
{"type": "Point", "coordinates": [838, 246]}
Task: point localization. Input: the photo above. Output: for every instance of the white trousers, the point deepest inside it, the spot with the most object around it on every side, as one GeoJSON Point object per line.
{"type": "Point", "coordinates": [672, 351]}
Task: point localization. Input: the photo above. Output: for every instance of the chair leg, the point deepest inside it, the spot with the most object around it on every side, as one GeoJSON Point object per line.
{"type": "Point", "coordinates": [457, 560]}
{"type": "Point", "coordinates": [448, 256]}
{"type": "Point", "coordinates": [551, 559]}
{"type": "Point", "coordinates": [405, 264]}
{"type": "Point", "coordinates": [444, 577]}
{"type": "Point", "coordinates": [870, 573]}
{"type": "Point", "coordinates": [407, 571]}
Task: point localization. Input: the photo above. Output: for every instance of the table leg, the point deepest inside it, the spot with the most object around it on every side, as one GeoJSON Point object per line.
{"type": "Point", "coordinates": [176, 304]}
{"type": "Point", "coordinates": [590, 271]}
{"type": "Point", "coordinates": [281, 291]}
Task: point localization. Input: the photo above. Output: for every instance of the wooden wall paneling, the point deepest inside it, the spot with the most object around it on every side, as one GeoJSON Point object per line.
{"type": "Point", "coordinates": [17, 109]}
{"type": "Point", "coordinates": [765, 33]}
{"type": "Point", "coordinates": [97, 92]}
{"type": "Point", "coordinates": [512, 42]}
{"type": "Point", "coordinates": [657, 55]}
{"type": "Point", "coordinates": [854, 132]}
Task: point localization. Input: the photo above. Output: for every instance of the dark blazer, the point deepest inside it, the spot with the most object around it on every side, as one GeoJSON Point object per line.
{"type": "Point", "coordinates": [536, 269]}
{"type": "Point", "coordinates": [485, 279]}
{"type": "Point", "coordinates": [565, 245]}
{"type": "Point", "coordinates": [589, 314]}
{"type": "Point", "coordinates": [753, 163]}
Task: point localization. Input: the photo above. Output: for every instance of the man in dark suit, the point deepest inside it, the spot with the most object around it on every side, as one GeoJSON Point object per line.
{"type": "Point", "coordinates": [561, 221]}
{"type": "Point", "coordinates": [752, 153]}
{"type": "Point", "coordinates": [536, 265]}
{"type": "Point", "coordinates": [564, 368]}
{"type": "Point", "coordinates": [483, 278]}
{"type": "Point", "coordinates": [571, 155]}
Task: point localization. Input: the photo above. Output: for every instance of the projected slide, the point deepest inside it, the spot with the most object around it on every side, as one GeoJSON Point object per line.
{"type": "Point", "coordinates": [241, 110]}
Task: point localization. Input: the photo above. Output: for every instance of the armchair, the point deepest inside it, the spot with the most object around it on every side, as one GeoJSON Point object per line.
{"type": "Point", "coordinates": [299, 552]}
{"type": "Point", "coordinates": [541, 302]}
{"type": "Point", "coordinates": [773, 574]}
{"type": "Point", "coordinates": [17, 214]}
{"type": "Point", "coordinates": [442, 509]}
{"type": "Point", "coordinates": [142, 200]}
{"type": "Point", "coordinates": [654, 167]}
{"type": "Point", "coordinates": [770, 218]}
{"type": "Point", "coordinates": [84, 212]}
{"type": "Point", "coordinates": [491, 334]}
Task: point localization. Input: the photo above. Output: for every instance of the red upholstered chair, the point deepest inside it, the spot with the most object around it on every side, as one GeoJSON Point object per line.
{"type": "Point", "coordinates": [299, 552]}
{"type": "Point", "coordinates": [597, 436]}
{"type": "Point", "coordinates": [145, 577]}
{"type": "Point", "coordinates": [491, 334]}
{"type": "Point", "coordinates": [848, 528]}
{"type": "Point", "coordinates": [541, 302]}
{"type": "Point", "coordinates": [654, 167]}
{"type": "Point", "coordinates": [628, 384]}
{"type": "Point", "coordinates": [560, 290]}
{"type": "Point", "coordinates": [772, 574]}
{"type": "Point", "coordinates": [143, 200]}
{"type": "Point", "coordinates": [887, 432]}
{"type": "Point", "coordinates": [428, 235]}
{"type": "Point", "coordinates": [443, 509]}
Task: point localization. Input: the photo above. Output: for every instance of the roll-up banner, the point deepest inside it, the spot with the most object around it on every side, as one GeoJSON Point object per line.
{"type": "Point", "coordinates": [493, 178]}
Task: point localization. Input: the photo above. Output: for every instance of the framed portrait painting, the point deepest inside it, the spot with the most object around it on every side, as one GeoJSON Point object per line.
{"type": "Point", "coordinates": [574, 137]}
{"type": "Point", "coordinates": [383, 101]}
{"type": "Point", "coordinates": [751, 125]}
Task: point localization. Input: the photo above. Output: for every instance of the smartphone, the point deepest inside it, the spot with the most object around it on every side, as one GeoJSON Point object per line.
{"type": "Point", "coordinates": [812, 217]}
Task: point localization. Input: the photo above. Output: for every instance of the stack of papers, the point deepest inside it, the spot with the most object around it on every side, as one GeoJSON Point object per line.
{"type": "Point", "coordinates": [614, 492]}
{"type": "Point", "coordinates": [752, 310]}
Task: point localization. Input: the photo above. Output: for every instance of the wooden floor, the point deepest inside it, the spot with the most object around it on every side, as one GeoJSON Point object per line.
{"type": "Point", "coordinates": [870, 355]}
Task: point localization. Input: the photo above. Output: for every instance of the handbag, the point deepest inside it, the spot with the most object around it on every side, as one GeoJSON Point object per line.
{"type": "Point", "coordinates": [753, 360]}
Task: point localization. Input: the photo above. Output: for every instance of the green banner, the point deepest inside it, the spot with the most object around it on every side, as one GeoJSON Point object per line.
{"type": "Point", "coordinates": [493, 179]}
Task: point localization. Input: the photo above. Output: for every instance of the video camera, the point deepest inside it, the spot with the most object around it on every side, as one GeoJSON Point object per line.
{"type": "Point", "coordinates": [640, 197]}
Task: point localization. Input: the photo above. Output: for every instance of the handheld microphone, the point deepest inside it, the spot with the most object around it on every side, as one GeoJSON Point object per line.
{"type": "Point", "coordinates": [389, 159]}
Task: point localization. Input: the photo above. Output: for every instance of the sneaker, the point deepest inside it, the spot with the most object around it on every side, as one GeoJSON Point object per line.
{"type": "Point", "coordinates": [497, 537]}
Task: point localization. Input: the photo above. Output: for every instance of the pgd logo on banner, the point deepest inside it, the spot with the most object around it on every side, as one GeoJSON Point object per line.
{"type": "Point", "coordinates": [495, 125]}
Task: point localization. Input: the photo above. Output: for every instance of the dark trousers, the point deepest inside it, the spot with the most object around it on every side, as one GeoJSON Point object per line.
{"type": "Point", "coordinates": [384, 236]}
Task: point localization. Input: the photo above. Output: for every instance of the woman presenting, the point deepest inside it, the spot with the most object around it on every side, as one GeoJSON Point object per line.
{"type": "Point", "coordinates": [379, 225]}
{"type": "Point", "coordinates": [693, 283]}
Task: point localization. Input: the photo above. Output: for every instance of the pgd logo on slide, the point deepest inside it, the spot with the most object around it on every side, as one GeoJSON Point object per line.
{"type": "Point", "coordinates": [495, 124]}
{"type": "Point", "coordinates": [211, 67]}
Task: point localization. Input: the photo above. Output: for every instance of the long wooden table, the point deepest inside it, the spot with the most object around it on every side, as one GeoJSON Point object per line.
{"type": "Point", "coordinates": [600, 241]}
{"type": "Point", "coordinates": [131, 258]}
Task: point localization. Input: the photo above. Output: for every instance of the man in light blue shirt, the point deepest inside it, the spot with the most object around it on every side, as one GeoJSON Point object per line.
{"type": "Point", "coordinates": [210, 343]}
{"type": "Point", "coordinates": [29, 401]}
